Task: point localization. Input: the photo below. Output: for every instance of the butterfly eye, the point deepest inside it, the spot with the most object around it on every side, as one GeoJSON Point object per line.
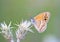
{"type": "Point", "coordinates": [32, 20]}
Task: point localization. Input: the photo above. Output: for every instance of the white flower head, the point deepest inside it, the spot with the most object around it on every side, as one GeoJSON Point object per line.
{"type": "Point", "coordinates": [5, 27]}
{"type": "Point", "coordinates": [5, 30]}
{"type": "Point", "coordinates": [23, 27]}
{"type": "Point", "coordinates": [26, 25]}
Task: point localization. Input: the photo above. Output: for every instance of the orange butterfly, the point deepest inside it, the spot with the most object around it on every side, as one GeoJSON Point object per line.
{"type": "Point", "coordinates": [40, 21]}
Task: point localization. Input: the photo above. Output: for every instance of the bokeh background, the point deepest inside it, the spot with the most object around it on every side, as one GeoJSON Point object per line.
{"type": "Point", "coordinates": [16, 10]}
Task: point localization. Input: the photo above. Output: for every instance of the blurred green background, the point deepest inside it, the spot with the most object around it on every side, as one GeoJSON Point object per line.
{"type": "Point", "coordinates": [16, 10]}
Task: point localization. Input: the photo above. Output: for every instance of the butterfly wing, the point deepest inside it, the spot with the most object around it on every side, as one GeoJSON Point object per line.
{"type": "Point", "coordinates": [40, 21]}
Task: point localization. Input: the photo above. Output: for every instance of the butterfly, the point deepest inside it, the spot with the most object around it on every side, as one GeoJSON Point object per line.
{"type": "Point", "coordinates": [40, 21]}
